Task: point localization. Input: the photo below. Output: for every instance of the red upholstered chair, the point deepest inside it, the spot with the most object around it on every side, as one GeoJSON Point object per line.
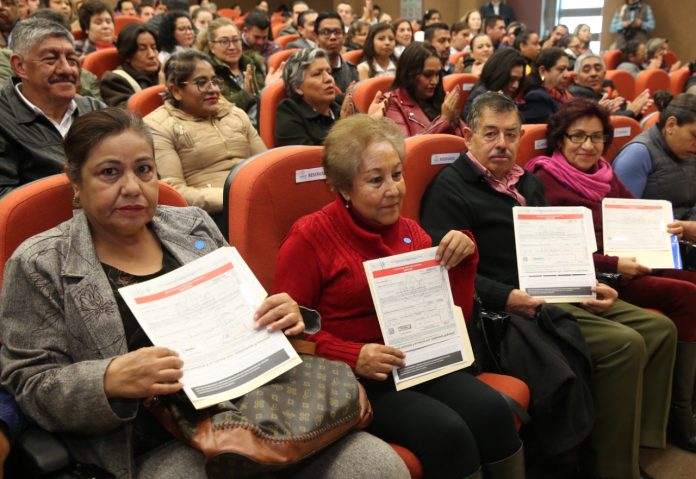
{"type": "Point", "coordinates": [532, 143]}
{"type": "Point", "coordinates": [123, 20]}
{"type": "Point", "coordinates": [466, 80]}
{"type": "Point", "coordinates": [101, 61]}
{"type": "Point", "coordinates": [624, 82]}
{"type": "Point", "coordinates": [625, 129]}
{"type": "Point", "coordinates": [279, 57]}
{"type": "Point", "coordinates": [146, 100]}
{"type": "Point", "coordinates": [678, 79]}
{"type": "Point", "coordinates": [78, 34]}
{"type": "Point", "coordinates": [276, 27]}
{"type": "Point", "coordinates": [653, 80]}
{"type": "Point", "coordinates": [649, 120]}
{"type": "Point", "coordinates": [271, 96]}
{"type": "Point", "coordinates": [353, 56]}
{"type": "Point", "coordinates": [454, 58]}
{"type": "Point", "coordinates": [426, 155]}
{"type": "Point", "coordinates": [52, 196]}
{"type": "Point", "coordinates": [227, 13]}
{"type": "Point", "coordinates": [669, 58]}
{"type": "Point", "coordinates": [612, 58]}
{"type": "Point", "coordinates": [285, 39]}
{"type": "Point", "coordinates": [365, 91]}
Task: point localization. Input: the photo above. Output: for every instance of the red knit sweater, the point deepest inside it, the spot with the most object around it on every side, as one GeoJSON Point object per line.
{"type": "Point", "coordinates": [320, 266]}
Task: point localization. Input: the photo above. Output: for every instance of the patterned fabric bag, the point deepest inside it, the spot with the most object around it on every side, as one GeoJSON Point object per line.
{"type": "Point", "coordinates": [274, 426]}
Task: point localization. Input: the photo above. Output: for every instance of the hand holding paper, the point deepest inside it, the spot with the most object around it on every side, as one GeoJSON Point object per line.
{"type": "Point", "coordinates": [376, 361]}
{"type": "Point", "coordinates": [606, 297]}
{"type": "Point", "coordinates": [521, 303]}
{"type": "Point", "coordinates": [279, 313]}
{"type": "Point", "coordinates": [144, 373]}
{"type": "Point", "coordinates": [454, 247]}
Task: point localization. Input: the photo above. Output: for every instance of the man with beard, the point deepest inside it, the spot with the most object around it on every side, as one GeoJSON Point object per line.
{"type": "Point", "coordinates": [438, 35]}
{"type": "Point", "coordinates": [39, 103]}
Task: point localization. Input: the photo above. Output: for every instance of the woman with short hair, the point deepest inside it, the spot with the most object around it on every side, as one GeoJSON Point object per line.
{"type": "Point", "coordinates": [456, 425]}
{"type": "Point", "coordinates": [97, 23]}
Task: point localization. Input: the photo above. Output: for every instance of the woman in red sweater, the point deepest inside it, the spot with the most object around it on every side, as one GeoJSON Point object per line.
{"type": "Point", "coordinates": [576, 175]}
{"type": "Point", "coordinates": [455, 424]}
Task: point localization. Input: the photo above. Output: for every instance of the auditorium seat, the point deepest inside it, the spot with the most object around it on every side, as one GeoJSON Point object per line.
{"type": "Point", "coordinates": [102, 61]}
{"type": "Point", "coordinates": [625, 129]}
{"type": "Point", "coordinates": [271, 96]}
{"type": "Point", "coordinates": [532, 143]}
{"type": "Point", "coordinates": [624, 82]}
{"type": "Point", "coordinates": [365, 91]}
{"type": "Point", "coordinates": [146, 100]}
{"type": "Point", "coordinates": [426, 155]}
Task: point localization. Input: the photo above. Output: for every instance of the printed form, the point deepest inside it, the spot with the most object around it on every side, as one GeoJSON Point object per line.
{"type": "Point", "coordinates": [204, 311]}
{"type": "Point", "coordinates": [554, 252]}
{"type": "Point", "coordinates": [417, 315]}
{"type": "Point", "coordinates": [636, 228]}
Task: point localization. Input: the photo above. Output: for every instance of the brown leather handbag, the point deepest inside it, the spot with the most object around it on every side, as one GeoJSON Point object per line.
{"type": "Point", "coordinates": [274, 426]}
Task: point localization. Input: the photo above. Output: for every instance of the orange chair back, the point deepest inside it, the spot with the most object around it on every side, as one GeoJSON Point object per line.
{"type": "Point", "coordinates": [227, 13]}
{"type": "Point", "coordinates": [624, 82]}
{"type": "Point", "coordinates": [123, 20]}
{"type": "Point", "coordinates": [532, 143]}
{"type": "Point", "coordinates": [102, 61]}
{"type": "Point", "coordinates": [612, 58]}
{"type": "Point", "coordinates": [353, 56]}
{"type": "Point", "coordinates": [146, 100]}
{"type": "Point", "coordinates": [52, 196]}
{"type": "Point", "coordinates": [625, 129]}
{"type": "Point", "coordinates": [454, 58]}
{"type": "Point", "coordinates": [78, 34]}
{"type": "Point", "coordinates": [265, 195]}
{"type": "Point", "coordinates": [271, 96]}
{"type": "Point", "coordinates": [669, 58]}
{"type": "Point", "coordinates": [466, 80]}
{"type": "Point", "coordinates": [276, 28]}
{"type": "Point", "coordinates": [649, 120]}
{"type": "Point", "coordinates": [365, 91]}
{"type": "Point", "coordinates": [426, 155]}
{"type": "Point", "coordinates": [678, 79]}
{"type": "Point", "coordinates": [653, 80]}
{"type": "Point", "coordinates": [279, 57]}
{"type": "Point", "coordinates": [285, 39]}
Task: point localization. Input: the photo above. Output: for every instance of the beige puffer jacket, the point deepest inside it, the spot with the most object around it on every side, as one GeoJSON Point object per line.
{"type": "Point", "coordinates": [195, 155]}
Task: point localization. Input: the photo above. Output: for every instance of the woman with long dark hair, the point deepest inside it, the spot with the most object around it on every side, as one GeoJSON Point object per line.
{"type": "Point", "coordinates": [378, 52]}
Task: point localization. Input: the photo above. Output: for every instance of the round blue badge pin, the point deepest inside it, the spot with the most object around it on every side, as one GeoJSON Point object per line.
{"type": "Point", "coordinates": [407, 240]}
{"type": "Point", "coordinates": [199, 244]}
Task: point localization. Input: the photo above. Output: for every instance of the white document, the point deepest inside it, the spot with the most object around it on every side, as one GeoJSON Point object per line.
{"type": "Point", "coordinates": [554, 252]}
{"type": "Point", "coordinates": [204, 311]}
{"type": "Point", "coordinates": [638, 228]}
{"type": "Point", "coordinates": [417, 315]}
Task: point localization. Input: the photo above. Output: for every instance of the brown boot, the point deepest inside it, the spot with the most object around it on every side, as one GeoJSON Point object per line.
{"type": "Point", "coordinates": [682, 424]}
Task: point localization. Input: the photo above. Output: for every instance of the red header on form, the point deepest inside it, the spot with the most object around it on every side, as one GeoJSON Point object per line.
{"type": "Point", "coordinates": [184, 286]}
{"type": "Point", "coordinates": [551, 217]}
{"type": "Point", "coordinates": [634, 207]}
{"type": "Point", "coordinates": [406, 268]}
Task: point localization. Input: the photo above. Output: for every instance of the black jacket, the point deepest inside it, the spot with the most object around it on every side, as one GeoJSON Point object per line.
{"type": "Point", "coordinates": [505, 11]}
{"type": "Point", "coordinates": [297, 123]}
{"type": "Point", "coordinates": [30, 146]}
{"type": "Point", "coordinates": [460, 198]}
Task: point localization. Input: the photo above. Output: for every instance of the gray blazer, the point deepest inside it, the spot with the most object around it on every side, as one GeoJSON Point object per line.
{"type": "Point", "coordinates": [61, 328]}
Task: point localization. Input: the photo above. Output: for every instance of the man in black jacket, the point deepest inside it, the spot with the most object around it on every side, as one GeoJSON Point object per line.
{"type": "Point", "coordinates": [632, 349]}
{"type": "Point", "coordinates": [39, 103]}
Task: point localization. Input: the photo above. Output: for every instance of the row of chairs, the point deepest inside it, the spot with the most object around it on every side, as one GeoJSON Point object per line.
{"type": "Point", "coordinates": [259, 187]}
{"type": "Point", "coordinates": [119, 22]}
{"type": "Point", "coordinates": [654, 80]}
{"type": "Point", "coordinates": [612, 58]}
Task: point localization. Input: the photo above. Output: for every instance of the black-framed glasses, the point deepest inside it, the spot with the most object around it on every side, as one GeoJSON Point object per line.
{"type": "Point", "coordinates": [226, 42]}
{"type": "Point", "coordinates": [581, 137]}
{"type": "Point", "coordinates": [202, 83]}
{"type": "Point", "coordinates": [327, 32]}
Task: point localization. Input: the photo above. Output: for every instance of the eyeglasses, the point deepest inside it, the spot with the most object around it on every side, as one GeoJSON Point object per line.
{"type": "Point", "coordinates": [326, 32]}
{"type": "Point", "coordinates": [184, 29]}
{"type": "Point", "coordinates": [202, 83]}
{"type": "Point", "coordinates": [226, 42]}
{"type": "Point", "coordinates": [581, 137]}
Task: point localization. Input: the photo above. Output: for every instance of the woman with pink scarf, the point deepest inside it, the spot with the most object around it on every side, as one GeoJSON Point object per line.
{"type": "Point", "coordinates": [575, 174]}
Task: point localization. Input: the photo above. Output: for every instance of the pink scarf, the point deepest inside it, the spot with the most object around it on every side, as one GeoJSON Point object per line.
{"type": "Point", "coordinates": [593, 185]}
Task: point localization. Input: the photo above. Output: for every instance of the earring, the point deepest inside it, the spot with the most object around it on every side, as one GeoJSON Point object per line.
{"type": "Point", "coordinates": [347, 202]}
{"type": "Point", "coordinates": [76, 202]}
